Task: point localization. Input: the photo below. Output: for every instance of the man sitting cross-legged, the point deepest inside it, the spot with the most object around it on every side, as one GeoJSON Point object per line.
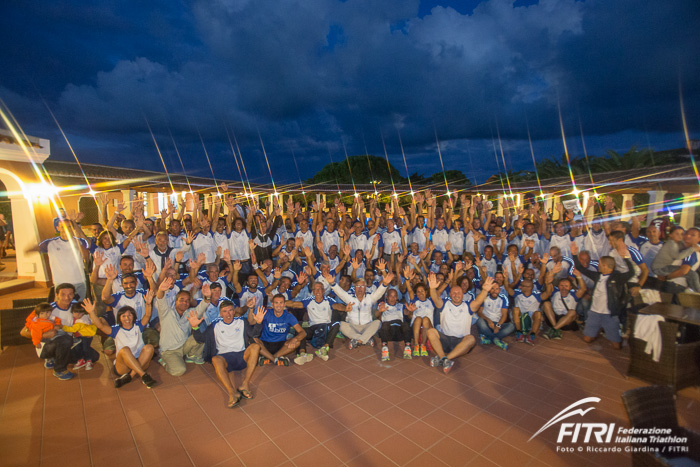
{"type": "Point", "coordinates": [394, 328]}
{"type": "Point", "coordinates": [273, 341]}
{"type": "Point", "coordinates": [359, 325]}
{"type": "Point", "coordinates": [493, 315]}
{"type": "Point", "coordinates": [561, 309]}
{"type": "Point", "coordinates": [454, 338]}
{"type": "Point", "coordinates": [527, 301]}
{"type": "Point", "coordinates": [225, 348]}
{"type": "Point", "coordinates": [322, 328]}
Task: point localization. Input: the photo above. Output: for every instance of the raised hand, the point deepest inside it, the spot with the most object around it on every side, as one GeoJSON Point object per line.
{"type": "Point", "coordinates": [432, 281]}
{"type": "Point", "coordinates": [346, 249]}
{"type": "Point", "coordinates": [574, 248]}
{"type": "Point", "coordinates": [277, 274]}
{"type": "Point", "coordinates": [330, 279]}
{"type": "Point", "coordinates": [189, 238]}
{"type": "Point", "coordinates": [302, 278]}
{"type": "Point", "coordinates": [166, 285]}
{"type": "Point", "coordinates": [179, 256]}
{"type": "Point", "coordinates": [227, 255]}
{"type": "Point", "coordinates": [556, 269]}
{"type": "Point", "coordinates": [206, 291]}
{"type": "Point", "coordinates": [259, 315]}
{"type": "Point", "coordinates": [250, 303]}
{"type": "Point", "coordinates": [111, 272]}
{"type": "Point", "coordinates": [388, 278]}
{"type": "Point", "coordinates": [410, 307]}
{"type": "Point", "coordinates": [149, 269]}
{"type": "Point", "coordinates": [488, 283]}
{"type": "Point", "coordinates": [89, 306]}
{"type": "Point", "coordinates": [381, 265]}
{"type": "Point", "coordinates": [98, 258]}
{"type": "Point", "coordinates": [192, 318]}
{"type": "Point", "coordinates": [237, 266]}
{"type": "Point", "coordinates": [150, 295]}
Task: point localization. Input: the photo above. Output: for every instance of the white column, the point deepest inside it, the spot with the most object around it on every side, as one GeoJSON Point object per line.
{"type": "Point", "coordinates": [626, 213]}
{"type": "Point", "coordinates": [656, 203]}
{"type": "Point", "coordinates": [688, 213]}
{"type": "Point", "coordinates": [127, 198]}
{"type": "Point", "coordinates": [499, 208]}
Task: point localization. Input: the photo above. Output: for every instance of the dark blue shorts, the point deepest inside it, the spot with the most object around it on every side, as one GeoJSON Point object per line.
{"type": "Point", "coordinates": [596, 321]}
{"type": "Point", "coordinates": [234, 360]}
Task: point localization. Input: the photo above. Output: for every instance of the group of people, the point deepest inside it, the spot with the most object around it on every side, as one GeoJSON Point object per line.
{"type": "Point", "coordinates": [243, 285]}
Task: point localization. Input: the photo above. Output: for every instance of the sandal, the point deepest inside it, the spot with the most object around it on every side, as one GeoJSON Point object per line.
{"type": "Point", "coordinates": [245, 393]}
{"type": "Point", "coordinates": [235, 403]}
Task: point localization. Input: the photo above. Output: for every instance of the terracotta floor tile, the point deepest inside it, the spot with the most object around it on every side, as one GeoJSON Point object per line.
{"type": "Point", "coordinates": [209, 451]}
{"type": "Point", "coordinates": [246, 438]}
{"type": "Point", "coordinates": [370, 457]}
{"type": "Point", "coordinates": [294, 442]}
{"type": "Point", "coordinates": [324, 428]}
{"type": "Point", "coordinates": [347, 445]}
{"type": "Point", "coordinates": [118, 458]}
{"type": "Point", "coordinates": [277, 425]}
{"type": "Point", "coordinates": [395, 418]}
{"type": "Point", "coordinates": [442, 420]}
{"type": "Point", "coordinates": [504, 454]}
{"type": "Point", "coordinates": [266, 454]}
{"type": "Point", "coordinates": [373, 431]}
{"type": "Point", "coordinates": [421, 434]}
{"type": "Point", "coordinates": [490, 423]}
{"type": "Point", "coordinates": [472, 437]}
{"type": "Point", "coordinates": [399, 449]}
{"type": "Point", "coordinates": [424, 459]}
{"type": "Point", "coordinates": [452, 452]}
{"type": "Point", "coordinates": [319, 455]}
{"type": "Point", "coordinates": [350, 415]}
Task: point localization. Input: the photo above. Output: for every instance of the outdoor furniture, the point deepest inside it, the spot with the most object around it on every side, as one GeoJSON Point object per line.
{"type": "Point", "coordinates": [679, 365]}
{"type": "Point", "coordinates": [689, 300]}
{"type": "Point", "coordinates": [654, 407]}
{"type": "Point", "coordinates": [11, 323]}
{"type": "Point", "coordinates": [22, 302]}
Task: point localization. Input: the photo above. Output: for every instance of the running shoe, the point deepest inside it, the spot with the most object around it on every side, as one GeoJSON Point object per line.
{"type": "Point", "coordinates": [322, 353]}
{"type": "Point", "coordinates": [64, 375]}
{"type": "Point", "coordinates": [80, 364]}
{"type": "Point", "coordinates": [519, 337]}
{"type": "Point", "coordinates": [531, 339]}
{"type": "Point", "coordinates": [407, 352]}
{"type": "Point", "coordinates": [88, 365]}
{"type": "Point", "coordinates": [385, 353]}
{"type": "Point", "coordinates": [49, 363]}
{"type": "Point", "coordinates": [416, 350]}
{"type": "Point", "coordinates": [557, 334]}
{"type": "Point", "coordinates": [435, 362]}
{"type": "Point", "coordinates": [485, 340]}
{"type": "Point", "coordinates": [423, 351]}
{"type": "Point", "coordinates": [148, 380]}
{"type": "Point", "coordinates": [500, 344]}
{"type": "Point", "coordinates": [447, 365]}
{"type": "Point", "coordinates": [282, 361]}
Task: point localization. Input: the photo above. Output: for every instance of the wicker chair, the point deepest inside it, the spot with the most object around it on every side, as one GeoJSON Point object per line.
{"type": "Point", "coordinates": [689, 300]}
{"type": "Point", "coordinates": [11, 323]}
{"type": "Point", "coordinates": [654, 407]}
{"type": "Point", "coordinates": [679, 365]}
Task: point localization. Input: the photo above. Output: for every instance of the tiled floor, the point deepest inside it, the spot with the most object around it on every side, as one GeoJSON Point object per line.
{"type": "Point", "coordinates": [351, 410]}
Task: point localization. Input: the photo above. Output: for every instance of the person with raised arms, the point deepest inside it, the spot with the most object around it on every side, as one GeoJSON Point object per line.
{"type": "Point", "coordinates": [454, 338]}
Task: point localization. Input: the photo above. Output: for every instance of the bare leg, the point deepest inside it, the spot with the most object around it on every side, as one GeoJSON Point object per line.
{"type": "Point", "coordinates": [221, 366]}
{"type": "Point", "coordinates": [516, 319]}
{"type": "Point", "coordinates": [416, 330]}
{"type": "Point", "coordinates": [434, 338]}
{"type": "Point", "coordinates": [146, 356]}
{"type": "Point", "coordinates": [536, 322]}
{"type": "Point", "coordinates": [126, 361]}
{"type": "Point", "coordinates": [263, 351]}
{"type": "Point", "coordinates": [566, 319]}
{"type": "Point", "coordinates": [462, 348]}
{"type": "Point", "coordinates": [427, 324]}
{"type": "Point", "coordinates": [549, 313]}
{"type": "Point", "coordinates": [286, 349]}
{"type": "Point", "coordinates": [250, 355]}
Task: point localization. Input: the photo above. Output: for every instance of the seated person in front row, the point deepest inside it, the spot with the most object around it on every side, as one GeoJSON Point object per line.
{"type": "Point", "coordinates": [225, 347]}
{"type": "Point", "coordinates": [133, 356]}
{"type": "Point", "coordinates": [454, 338]}
{"type": "Point", "coordinates": [52, 343]}
{"type": "Point", "coordinates": [83, 331]}
{"type": "Point", "coordinates": [394, 327]}
{"type": "Point", "coordinates": [561, 309]}
{"type": "Point", "coordinates": [493, 315]}
{"type": "Point", "coordinates": [527, 300]}
{"type": "Point", "coordinates": [608, 297]}
{"type": "Point", "coordinates": [276, 324]}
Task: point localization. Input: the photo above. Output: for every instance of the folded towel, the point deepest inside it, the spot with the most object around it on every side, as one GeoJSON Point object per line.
{"type": "Point", "coordinates": [647, 329]}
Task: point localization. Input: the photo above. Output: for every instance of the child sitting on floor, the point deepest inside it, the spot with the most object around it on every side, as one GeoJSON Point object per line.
{"type": "Point", "coordinates": [83, 331]}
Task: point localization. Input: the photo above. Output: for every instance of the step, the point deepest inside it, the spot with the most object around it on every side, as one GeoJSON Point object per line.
{"type": "Point", "coordinates": [15, 285]}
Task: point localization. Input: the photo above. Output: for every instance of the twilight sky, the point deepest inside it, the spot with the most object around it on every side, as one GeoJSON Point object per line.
{"type": "Point", "coordinates": [312, 77]}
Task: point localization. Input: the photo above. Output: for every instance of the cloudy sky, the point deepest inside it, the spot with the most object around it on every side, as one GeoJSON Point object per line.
{"type": "Point", "coordinates": [317, 78]}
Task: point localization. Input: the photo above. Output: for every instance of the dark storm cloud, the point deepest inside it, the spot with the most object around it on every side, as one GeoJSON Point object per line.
{"type": "Point", "coordinates": [311, 75]}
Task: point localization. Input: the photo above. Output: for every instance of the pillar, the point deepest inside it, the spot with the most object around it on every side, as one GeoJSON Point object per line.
{"type": "Point", "coordinates": [656, 203]}
{"type": "Point", "coordinates": [499, 208]}
{"type": "Point", "coordinates": [688, 213]}
{"type": "Point", "coordinates": [127, 198]}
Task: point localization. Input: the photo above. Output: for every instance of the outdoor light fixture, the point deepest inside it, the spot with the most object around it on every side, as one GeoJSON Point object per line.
{"type": "Point", "coordinates": [356, 195]}
{"type": "Point", "coordinates": [92, 192]}
{"type": "Point", "coordinates": [40, 191]}
{"type": "Point", "coordinates": [413, 193]}
{"type": "Point", "coordinates": [576, 192]}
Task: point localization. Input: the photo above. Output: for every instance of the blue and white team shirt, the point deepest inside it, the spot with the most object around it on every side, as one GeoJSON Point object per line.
{"type": "Point", "coordinates": [567, 267]}
{"type": "Point", "coordinates": [180, 243]}
{"type": "Point", "coordinates": [319, 312]}
{"type": "Point", "coordinates": [229, 337]}
{"type": "Point", "coordinates": [534, 237]}
{"type": "Point", "coordinates": [275, 328]}
{"type": "Point", "coordinates": [633, 242]}
{"type": "Point", "coordinates": [649, 251]}
{"type": "Point", "coordinates": [621, 265]}
{"type": "Point", "coordinates": [238, 245]}
{"type": "Point", "coordinates": [559, 302]}
{"type": "Point", "coordinates": [562, 242]}
{"type": "Point", "coordinates": [389, 238]}
{"type": "Point", "coordinates": [136, 301]}
{"type": "Point", "coordinates": [456, 239]}
{"type": "Point", "coordinates": [424, 309]}
{"type": "Point", "coordinates": [393, 313]}
{"type": "Point", "coordinates": [358, 242]}
{"type": "Point", "coordinates": [508, 266]}
{"type": "Point", "coordinates": [491, 265]}
{"type": "Point", "coordinates": [65, 261]}
{"type": "Point", "coordinates": [130, 250]}
{"type": "Point", "coordinates": [360, 270]}
{"type": "Point", "coordinates": [307, 237]}
{"type": "Point", "coordinates": [370, 240]}
{"type": "Point", "coordinates": [693, 261]}
{"type": "Point", "coordinates": [418, 236]}
{"type": "Point", "coordinates": [319, 278]}
{"type": "Point", "coordinates": [329, 238]}
{"type": "Point", "coordinates": [220, 240]}
{"type": "Point", "coordinates": [213, 311]}
{"type": "Point", "coordinates": [204, 243]}
{"type": "Point", "coordinates": [596, 243]}
{"type": "Point", "coordinates": [493, 307]}
{"type": "Point", "coordinates": [440, 238]}
{"type": "Point", "coordinates": [361, 312]}
{"type": "Point", "coordinates": [66, 316]}
{"type": "Point", "coordinates": [130, 338]}
{"type": "Point", "coordinates": [527, 304]}
{"type": "Point", "coordinates": [247, 293]}
{"type": "Point", "coordinates": [112, 257]}
{"type": "Point", "coordinates": [455, 320]}
{"type": "Point", "coordinates": [469, 243]}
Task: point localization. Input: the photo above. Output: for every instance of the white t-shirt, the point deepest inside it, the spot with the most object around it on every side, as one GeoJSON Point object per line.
{"type": "Point", "coordinates": [527, 304]}
{"type": "Point", "coordinates": [393, 312]}
{"type": "Point", "coordinates": [130, 338]}
{"type": "Point", "coordinates": [558, 302]}
{"type": "Point", "coordinates": [493, 307]}
{"type": "Point", "coordinates": [238, 245]}
{"type": "Point", "coordinates": [599, 301]}
{"type": "Point", "coordinates": [424, 309]}
{"type": "Point", "coordinates": [229, 337]}
{"type": "Point", "coordinates": [65, 259]}
{"type": "Point", "coordinates": [455, 320]}
{"type": "Point", "coordinates": [319, 313]}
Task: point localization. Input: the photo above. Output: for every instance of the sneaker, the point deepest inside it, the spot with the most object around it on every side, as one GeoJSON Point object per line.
{"type": "Point", "coordinates": [423, 351]}
{"type": "Point", "coordinates": [447, 365]}
{"type": "Point", "coordinates": [49, 363]}
{"type": "Point", "coordinates": [485, 340]}
{"type": "Point", "coordinates": [531, 339]}
{"type": "Point", "coordinates": [303, 358]}
{"type": "Point", "coordinates": [500, 344]}
{"type": "Point", "coordinates": [80, 364]}
{"type": "Point", "coordinates": [340, 335]}
{"type": "Point", "coordinates": [282, 361]}
{"type": "Point", "coordinates": [371, 342]}
{"type": "Point", "coordinates": [122, 380]}
{"type": "Point", "coordinates": [407, 352]}
{"type": "Point", "coordinates": [63, 375]}
{"type": "Point", "coordinates": [88, 365]}
{"type": "Point", "coordinates": [557, 335]}
{"type": "Point", "coordinates": [261, 360]}
{"type": "Point", "coordinates": [416, 350]}
{"type": "Point", "coordinates": [435, 362]}
{"type": "Point", "coordinates": [352, 343]}
{"type": "Point", "coordinates": [148, 380]}
{"type": "Point", "coordinates": [197, 359]}
{"type": "Point", "coordinates": [385, 353]}
{"type": "Point", "coordinates": [549, 333]}
{"type": "Point", "coordinates": [519, 337]}
{"type": "Point", "coordinates": [322, 353]}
